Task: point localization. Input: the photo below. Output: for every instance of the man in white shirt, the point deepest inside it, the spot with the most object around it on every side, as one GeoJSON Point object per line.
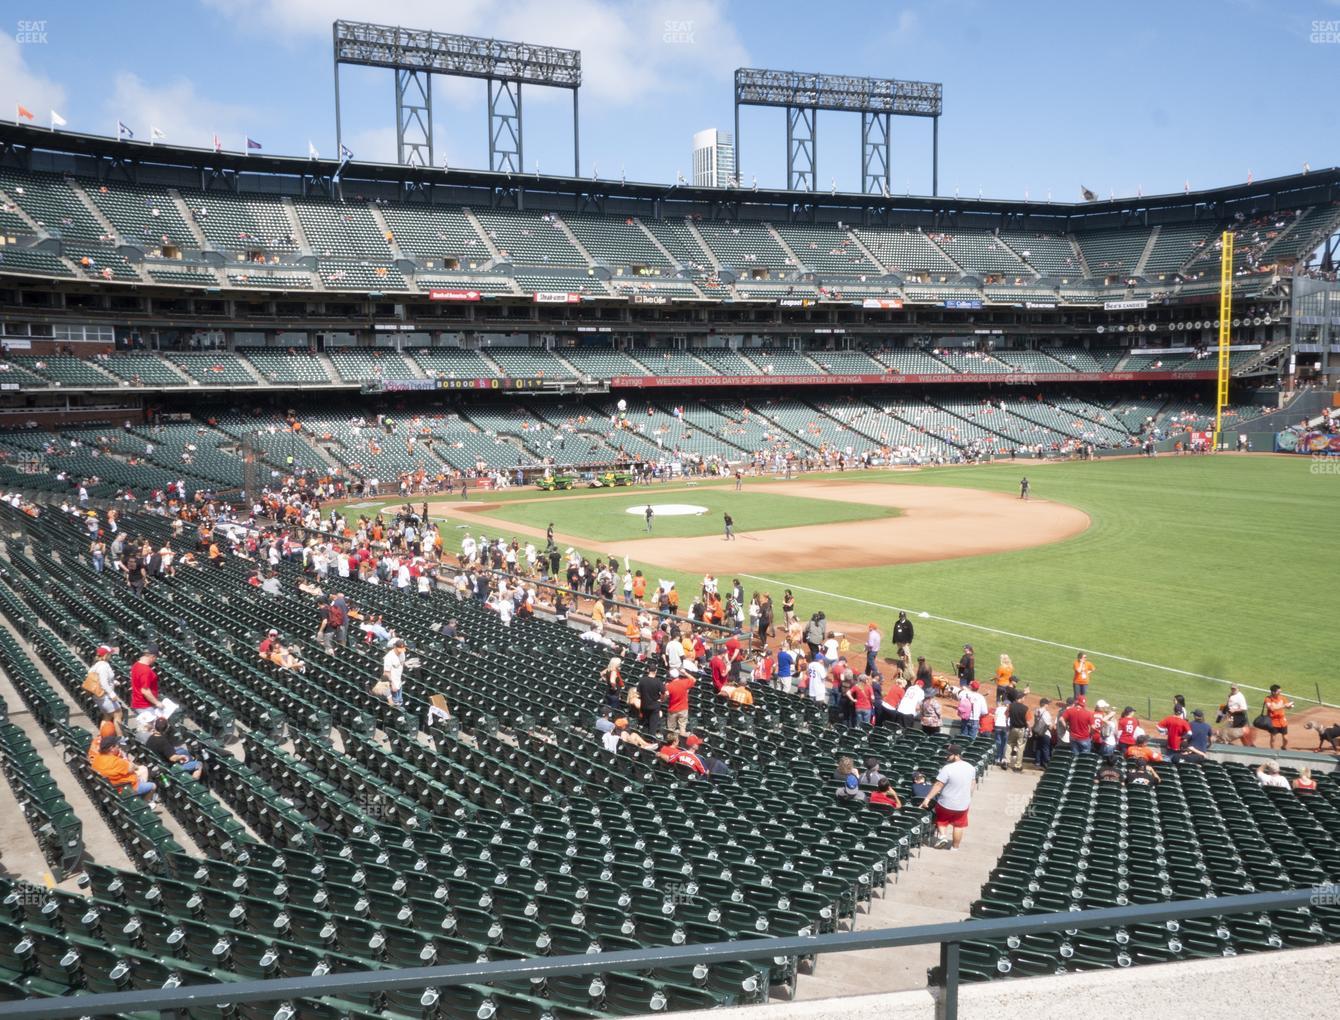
{"type": "Point", "coordinates": [815, 676]}
{"type": "Point", "coordinates": [674, 654]}
{"type": "Point", "coordinates": [952, 794]}
{"type": "Point", "coordinates": [393, 670]}
{"type": "Point", "coordinates": [909, 708]}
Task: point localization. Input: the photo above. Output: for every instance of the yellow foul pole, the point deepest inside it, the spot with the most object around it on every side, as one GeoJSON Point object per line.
{"type": "Point", "coordinates": [1225, 318]}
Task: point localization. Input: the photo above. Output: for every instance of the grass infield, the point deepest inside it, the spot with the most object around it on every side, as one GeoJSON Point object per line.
{"type": "Point", "coordinates": [606, 518]}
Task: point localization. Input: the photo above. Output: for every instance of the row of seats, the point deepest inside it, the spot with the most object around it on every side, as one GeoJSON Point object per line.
{"type": "Point", "coordinates": [1202, 830]}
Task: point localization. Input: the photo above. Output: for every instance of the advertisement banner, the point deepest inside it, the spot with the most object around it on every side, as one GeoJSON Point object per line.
{"type": "Point", "coordinates": [1312, 443]}
{"type": "Point", "coordinates": [1132, 305]}
{"type": "Point", "coordinates": [549, 297]}
{"type": "Point", "coordinates": [895, 378]}
{"type": "Point", "coordinates": [968, 305]}
{"type": "Point", "coordinates": [453, 295]}
{"type": "Point", "coordinates": [891, 303]}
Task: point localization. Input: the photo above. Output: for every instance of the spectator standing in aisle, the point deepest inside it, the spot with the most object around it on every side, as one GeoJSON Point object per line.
{"type": "Point", "coordinates": [109, 703]}
{"type": "Point", "coordinates": [952, 793]}
{"type": "Point", "coordinates": [1042, 734]}
{"type": "Point", "coordinates": [1017, 738]}
{"type": "Point", "coordinates": [144, 701]}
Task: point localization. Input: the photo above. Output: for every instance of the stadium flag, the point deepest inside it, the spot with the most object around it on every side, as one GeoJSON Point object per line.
{"type": "Point", "coordinates": [1249, 177]}
{"type": "Point", "coordinates": [23, 112]}
{"type": "Point", "coordinates": [155, 133]}
{"type": "Point", "coordinates": [56, 120]}
{"type": "Point", "coordinates": [311, 150]}
{"type": "Point", "coordinates": [345, 152]}
{"type": "Point", "coordinates": [218, 145]}
{"type": "Point", "coordinates": [1186, 186]}
{"type": "Point", "coordinates": [252, 143]}
{"type": "Point", "coordinates": [122, 131]}
{"type": "Point", "coordinates": [1089, 196]}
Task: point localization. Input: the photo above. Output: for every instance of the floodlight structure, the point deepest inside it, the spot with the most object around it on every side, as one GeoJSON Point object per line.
{"type": "Point", "coordinates": [415, 55]}
{"type": "Point", "coordinates": [877, 100]}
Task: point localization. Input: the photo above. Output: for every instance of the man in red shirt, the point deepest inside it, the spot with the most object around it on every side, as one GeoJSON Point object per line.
{"type": "Point", "coordinates": [720, 669]}
{"type": "Point", "coordinates": [734, 656]}
{"type": "Point", "coordinates": [1176, 729]}
{"type": "Point", "coordinates": [1079, 724]}
{"type": "Point", "coordinates": [677, 704]}
{"type": "Point", "coordinates": [144, 682]}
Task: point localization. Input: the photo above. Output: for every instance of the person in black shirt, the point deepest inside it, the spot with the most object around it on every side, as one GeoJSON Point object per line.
{"type": "Point", "coordinates": [164, 747]}
{"type": "Point", "coordinates": [903, 634]}
{"type": "Point", "coordinates": [967, 667]}
{"type": "Point", "coordinates": [730, 527]}
{"type": "Point", "coordinates": [651, 696]}
{"type": "Point", "coordinates": [1017, 737]}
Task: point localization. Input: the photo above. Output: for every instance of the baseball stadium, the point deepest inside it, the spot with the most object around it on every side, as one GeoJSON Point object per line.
{"type": "Point", "coordinates": [435, 591]}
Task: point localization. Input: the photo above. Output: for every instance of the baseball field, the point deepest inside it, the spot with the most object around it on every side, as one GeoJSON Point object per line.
{"type": "Point", "coordinates": [1176, 575]}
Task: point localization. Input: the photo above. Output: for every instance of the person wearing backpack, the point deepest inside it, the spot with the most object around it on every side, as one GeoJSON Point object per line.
{"type": "Point", "coordinates": [100, 682]}
{"type": "Point", "coordinates": [971, 709]}
{"type": "Point", "coordinates": [1042, 734]}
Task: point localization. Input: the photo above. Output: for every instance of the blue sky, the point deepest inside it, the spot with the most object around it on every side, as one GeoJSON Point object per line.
{"type": "Point", "coordinates": [1040, 97]}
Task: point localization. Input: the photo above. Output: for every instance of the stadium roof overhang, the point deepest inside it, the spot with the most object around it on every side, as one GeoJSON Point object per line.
{"type": "Point", "coordinates": [96, 155]}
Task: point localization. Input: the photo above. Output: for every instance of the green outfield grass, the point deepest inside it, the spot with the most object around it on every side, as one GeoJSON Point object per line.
{"type": "Point", "coordinates": [1221, 567]}
{"type": "Point", "coordinates": [606, 518]}
{"type": "Point", "coordinates": [1215, 566]}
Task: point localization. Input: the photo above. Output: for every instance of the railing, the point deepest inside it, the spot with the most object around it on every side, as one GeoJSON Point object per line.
{"type": "Point", "coordinates": [949, 936]}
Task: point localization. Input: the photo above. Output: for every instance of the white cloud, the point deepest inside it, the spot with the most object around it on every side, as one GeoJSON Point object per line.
{"type": "Point", "coordinates": [176, 109]}
{"type": "Point", "coordinates": [21, 84]}
{"type": "Point", "coordinates": [375, 145]}
{"type": "Point", "coordinates": [629, 50]}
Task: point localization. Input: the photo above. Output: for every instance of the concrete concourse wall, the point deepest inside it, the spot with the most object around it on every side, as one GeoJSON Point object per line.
{"type": "Point", "coordinates": [1302, 983]}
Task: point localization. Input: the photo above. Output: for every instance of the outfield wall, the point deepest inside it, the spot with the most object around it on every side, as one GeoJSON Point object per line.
{"type": "Point", "coordinates": [1293, 983]}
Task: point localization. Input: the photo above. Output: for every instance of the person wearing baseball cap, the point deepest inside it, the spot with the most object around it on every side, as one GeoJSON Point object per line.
{"type": "Point", "coordinates": [102, 677]}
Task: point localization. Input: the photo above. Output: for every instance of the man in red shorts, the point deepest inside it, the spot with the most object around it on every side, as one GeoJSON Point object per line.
{"type": "Point", "coordinates": [953, 787]}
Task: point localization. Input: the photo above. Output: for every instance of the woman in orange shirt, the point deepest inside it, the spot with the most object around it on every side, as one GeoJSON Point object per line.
{"type": "Point", "coordinates": [1004, 677]}
{"type": "Point", "coordinates": [1275, 705]}
{"type": "Point", "coordinates": [1083, 669]}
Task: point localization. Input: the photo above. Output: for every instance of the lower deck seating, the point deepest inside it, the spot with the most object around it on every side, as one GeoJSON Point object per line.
{"type": "Point", "coordinates": [1203, 830]}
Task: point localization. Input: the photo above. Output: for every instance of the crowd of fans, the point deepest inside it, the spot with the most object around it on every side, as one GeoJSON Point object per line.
{"type": "Point", "coordinates": [719, 634]}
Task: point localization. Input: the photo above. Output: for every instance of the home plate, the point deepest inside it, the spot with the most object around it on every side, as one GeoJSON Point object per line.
{"type": "Point", "coordinates": [668, 510]}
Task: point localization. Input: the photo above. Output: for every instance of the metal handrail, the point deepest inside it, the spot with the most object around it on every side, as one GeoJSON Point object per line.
{"type": "Point", "coordinates": [949, 936]}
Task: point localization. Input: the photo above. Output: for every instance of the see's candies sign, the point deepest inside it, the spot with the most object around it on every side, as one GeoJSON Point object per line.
{"type": "Point", "coordinates": [453, 295]}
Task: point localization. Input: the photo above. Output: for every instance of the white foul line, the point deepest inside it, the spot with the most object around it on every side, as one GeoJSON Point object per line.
{"type": "Point", "coordinates": [1011, 634]}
